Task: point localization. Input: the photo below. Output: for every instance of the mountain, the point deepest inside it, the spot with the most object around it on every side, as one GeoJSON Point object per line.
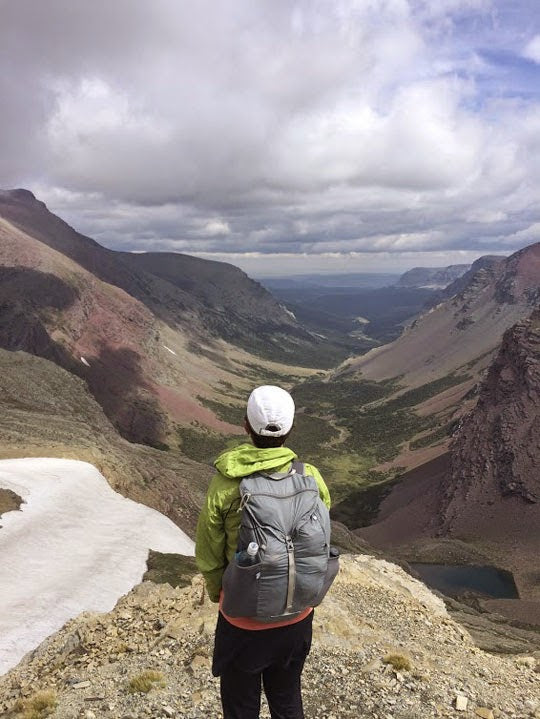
{"type": "Point", "coordinates": [432, 277]}
{"type": "Point", "coordinates": [157, 338]}
{"type": "Point", "coordinates": [383, 646]}
{"type": "Point", "coordinates": [464, 330]}
{"type": "Point", "coordinates": [345, 281]}
{"type": "Point", "coordinates": [212, 299]}
{"type": "Point", "coordinates": [486, 262]}
{"type": "Point", "coordinates": [484, 496]}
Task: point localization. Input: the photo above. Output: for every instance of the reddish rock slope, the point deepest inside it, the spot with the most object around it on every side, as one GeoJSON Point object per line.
{"type": "Point", "coordinates": [494, 484]}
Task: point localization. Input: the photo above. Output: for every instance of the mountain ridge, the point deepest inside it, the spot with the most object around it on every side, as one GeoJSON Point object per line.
{"type": "Point", "coordinates": [461, 331]}
{"type": "Point", "coordinates": [433, 277]}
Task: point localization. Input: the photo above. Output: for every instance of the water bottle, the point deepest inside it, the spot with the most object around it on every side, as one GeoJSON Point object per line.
{"type": "Point", "coordinates": [248, 556]}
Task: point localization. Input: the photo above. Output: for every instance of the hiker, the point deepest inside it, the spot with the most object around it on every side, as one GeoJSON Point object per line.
{"type": "Point", "coordinates": [254, 643]}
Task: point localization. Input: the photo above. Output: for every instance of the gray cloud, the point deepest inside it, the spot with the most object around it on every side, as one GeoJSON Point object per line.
{"type": "Point", "coordinates": [307, 128]}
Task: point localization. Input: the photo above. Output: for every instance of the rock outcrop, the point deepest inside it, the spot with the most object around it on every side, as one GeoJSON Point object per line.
{"type": "Point", "coordinates": [496, 451]}
{"type": "Point", "coordinates": [384, 646]}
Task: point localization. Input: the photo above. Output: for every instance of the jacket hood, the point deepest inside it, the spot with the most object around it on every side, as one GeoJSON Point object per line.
{"type": "Point", "coordinates": [247, 459]}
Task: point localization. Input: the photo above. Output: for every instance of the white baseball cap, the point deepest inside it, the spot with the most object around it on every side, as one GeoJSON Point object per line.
{"type": "Point", "coordinates": [270, 411]}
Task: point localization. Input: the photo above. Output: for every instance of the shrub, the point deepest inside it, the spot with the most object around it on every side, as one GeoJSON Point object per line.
{"type": "Point", "coordinates": [39, 705]}
{"type": "Point", "coordinates": [400, 662]}
{"type": "Point", "coordinates": [147, 680]}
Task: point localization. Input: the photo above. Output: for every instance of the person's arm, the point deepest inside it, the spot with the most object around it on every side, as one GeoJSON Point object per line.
{"type": "Point", "coordinates": [210, 543]}
{"type": "Point", "coordinates": [324, 494]}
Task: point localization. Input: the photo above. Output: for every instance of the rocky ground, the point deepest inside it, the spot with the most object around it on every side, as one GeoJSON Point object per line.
{"type": "Point", "coordinates": [9, 501]}
{"type": "Point", "coordinates": [384, 648]}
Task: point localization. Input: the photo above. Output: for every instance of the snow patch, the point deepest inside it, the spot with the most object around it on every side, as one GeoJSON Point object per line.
{"type": "Point", "coordinates": [85, 361]}
{"type": "Point", "coordinates": [76, 545]}
{"type": "Point", "coordinates": [291, 314]}
{"type": "Point", "coordinates": [169, 350]}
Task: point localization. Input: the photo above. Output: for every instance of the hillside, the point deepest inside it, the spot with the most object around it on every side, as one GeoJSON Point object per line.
{"type": "Point", "coordinates": [485, 493]}
{"type": "Point", "coordinates": [148, 334]}
{"type": "Point", "coordinates": [47, 412]}
{"type": "Point", "coordinates": [463, 331]}
{"type": "Point", "coordinates": [384, 646]}
{"type": "Point", "coordinates": [486, 262]}
{"type": "Point", "coordinates": [183, 291]}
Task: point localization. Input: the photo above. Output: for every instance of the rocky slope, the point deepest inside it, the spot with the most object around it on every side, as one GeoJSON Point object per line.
{"type": "Point", "coordinates": [464, 330]}
{"type": "Point", "coordinates": [384, 647]}
{"type": "Point", "coordinates": [486, 262]}
{"type": "Point", "coordinates": [496, 451]}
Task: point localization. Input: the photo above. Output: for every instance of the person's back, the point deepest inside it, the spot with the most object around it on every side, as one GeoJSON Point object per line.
{"type": "Point", "coordinates": [248, 650]}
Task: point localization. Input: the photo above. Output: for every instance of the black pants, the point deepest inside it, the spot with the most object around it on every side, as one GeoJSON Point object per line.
{"type": "Point", "coordinates": [272, 657]}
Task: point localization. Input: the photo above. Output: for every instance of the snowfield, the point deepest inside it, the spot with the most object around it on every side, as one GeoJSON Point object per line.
{"type": "Point", "coordinates": [76, 545]}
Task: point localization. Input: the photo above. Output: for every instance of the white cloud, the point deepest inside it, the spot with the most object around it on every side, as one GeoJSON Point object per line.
{"type": "Point", "coordinates": [532, 49]}
{"type": "Point", "coordinates": [292, 127]}
{"type": "Point", "coordinates": [216, 228]}
{"type": "Point", "coordinates": [485, 215]}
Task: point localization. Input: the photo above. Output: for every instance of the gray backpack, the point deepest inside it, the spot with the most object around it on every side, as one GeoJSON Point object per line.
{"type": "Point", "coordinates": [293, 569]}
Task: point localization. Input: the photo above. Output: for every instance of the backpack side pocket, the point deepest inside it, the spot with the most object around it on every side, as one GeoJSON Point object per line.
{"type": "Point", "coordinates": [241, 589]}
{"type": "Point", "coordinates": [332, 569]}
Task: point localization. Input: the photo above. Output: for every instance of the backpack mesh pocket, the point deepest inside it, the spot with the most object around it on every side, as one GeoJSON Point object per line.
{"type": "Point", "coordinates": [241, 589]}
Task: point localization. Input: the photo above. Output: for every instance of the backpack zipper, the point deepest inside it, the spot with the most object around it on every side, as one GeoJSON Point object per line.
{"type": "Point", "coordinates": [292, 576]}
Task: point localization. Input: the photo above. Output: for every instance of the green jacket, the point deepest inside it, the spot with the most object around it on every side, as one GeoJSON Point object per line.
{"type": "Point", "coordinates": [219, 520]}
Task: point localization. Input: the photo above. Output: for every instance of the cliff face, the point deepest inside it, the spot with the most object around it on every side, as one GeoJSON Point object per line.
{"type": "Point", "coordinates": [496, 452]}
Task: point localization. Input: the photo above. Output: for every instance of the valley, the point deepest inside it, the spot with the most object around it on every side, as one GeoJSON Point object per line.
{"type": "Point", "coordinates": [141, 365]}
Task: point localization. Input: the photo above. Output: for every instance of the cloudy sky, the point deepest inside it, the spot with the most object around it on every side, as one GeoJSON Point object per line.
{"type": "Point", "coordinates": [282, 136]}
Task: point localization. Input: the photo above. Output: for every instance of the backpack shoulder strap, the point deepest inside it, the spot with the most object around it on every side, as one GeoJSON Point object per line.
{"type": "Point", "coordinates": [297, 467]}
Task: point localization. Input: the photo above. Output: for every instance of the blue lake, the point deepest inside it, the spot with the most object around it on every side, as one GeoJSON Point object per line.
{"type": "Point", "coordinates": [454, 580]}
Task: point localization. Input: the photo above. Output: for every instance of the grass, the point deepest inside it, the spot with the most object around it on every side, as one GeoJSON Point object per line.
{"type": "Point", "coordinates": [359, 506]}
{"type": "Point", "coordinates": [420, 394]}
{"type": "Point", "coordinates": [146, 681]}
{"type": "Point", "coordinates": [376, 425]}
{"type": "Point", "coordinates": [203, 445]}
{"type": "Point", "coordinates": [344, 473]}
{"type": "Point", "coordinates": [381, 431]}
{"type": "Point", "coordinates": [174, 569]}
{"type": "Point", "coordinates": [310, 432]}
{"type": "Point", "coordinates": [400, 662]}
{"type": "Point", "coordinates": [39, 705]}
{"type": "Point", "coordinates": [340, 395]}
{"type": "Point", "coordinates": [234, 414]}
{"type": "Point", "coordinates": [436, 436]}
